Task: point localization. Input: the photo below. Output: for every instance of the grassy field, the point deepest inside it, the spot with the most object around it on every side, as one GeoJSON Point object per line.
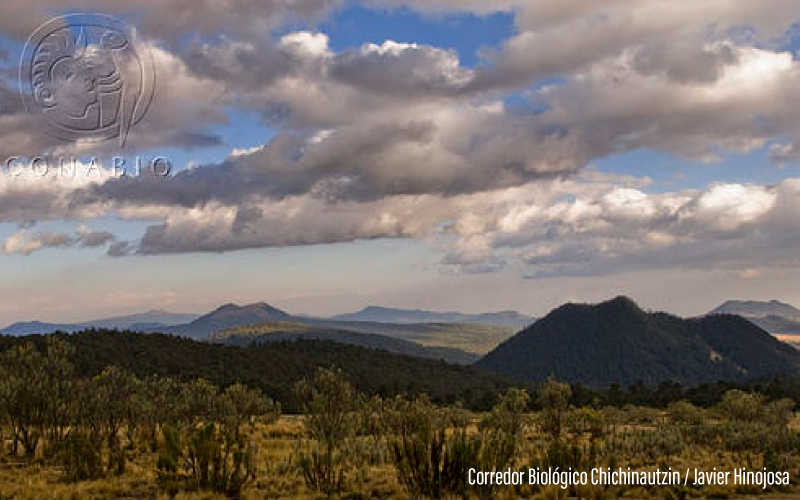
{"type": "Point", "coordinates": [115, 436]}
{"type": "Point", "coordinates": [633, 433]}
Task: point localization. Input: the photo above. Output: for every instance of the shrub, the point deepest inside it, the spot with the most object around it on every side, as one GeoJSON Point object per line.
{"type": "Point", "coordinates": [80, 457]}
{"type": "Point", "coordinates": [431, 464]}
{"type": "Point", "coordinates": [330, 404]}
{"type": "Point", "coordinates": [554, 400]}
{"type": "Point", "coordinates": [429, 460]}
{"type": "Point", "coordinates": [323, 468]}
{"type": "Point", "coordinates": [684, 412]}
{"type": "Point", "coordinates": [741, 406]}
{"type": "Point", "coordinates": [213, 452]}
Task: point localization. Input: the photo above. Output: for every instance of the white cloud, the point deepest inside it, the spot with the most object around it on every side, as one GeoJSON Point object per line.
{"type": "Point", "coordinates": [25, 243]}
{"type": "Point", "coordinates": [401, 140]}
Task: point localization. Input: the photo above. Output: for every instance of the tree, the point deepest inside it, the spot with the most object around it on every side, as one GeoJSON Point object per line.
{"type": "Point", "coordinates": [239, 406]}
{"type": "Point", "coordinates": [741, 406]}
{"type": "Point", "coordinates": [36, 392]}
{"type": "Point", "coordinates": [685, 412]}
{"type": "Point", "coordinates": [108, 403]}
{"type": "Point", "coordinates": [509, 415]}
{"type": "Point", "coordinates": [431, 448]}
{"type": "Point", "coordinates": [329, 402]}
{"type": "Point", "coordinates": [554, 399]}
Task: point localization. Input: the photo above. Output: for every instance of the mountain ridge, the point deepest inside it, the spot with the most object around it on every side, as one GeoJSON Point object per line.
{"type": "Point", "coordinates": [155, 318]}
{"type": "Point", "coordinates": [758, 309]}
{"type": "Point", "coordinates": [383, 314]}
{"type": "Point", "coordinates": [281, 332]}
{"type": "Point", "coordinates": [618, 342]}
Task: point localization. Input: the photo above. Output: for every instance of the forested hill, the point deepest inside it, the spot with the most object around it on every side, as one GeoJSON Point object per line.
{"type": "Point", "coordinates": [618, 342]}
{"type": "Point", "coordinates": [274, 368]}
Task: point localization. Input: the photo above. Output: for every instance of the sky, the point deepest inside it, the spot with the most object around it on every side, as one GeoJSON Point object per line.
{"type": "Point", "coordinates": [460, 155]}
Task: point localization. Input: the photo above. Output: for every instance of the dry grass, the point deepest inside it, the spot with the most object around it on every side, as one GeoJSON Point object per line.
{"type": "Point", "coordinates": [277, 478]}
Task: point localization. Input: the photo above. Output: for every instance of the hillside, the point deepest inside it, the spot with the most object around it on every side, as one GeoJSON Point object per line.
{"type": "Point", "coordinates": [275, 367]}
{"type": "Point", "coordinates": [228, 316]}
{"type": "Point", "coordinates": [281, 332]}
{"type": "Point", "coordinates": [141, 321]}
{"type": "Point", "coordinates": [757, 309]}
{"type": "Point", "coordinates": [777, 318]}
{"type": "Point", "coordinates": [38, 328]}
{"type": "Point", "coordinates": [511, 319]}
{"type": "Point", "coordinates": [777, 325]}
{"type": "Point", "coordinates": [472, 338]}
{"type": "Point", "coordinates": [617, 342]}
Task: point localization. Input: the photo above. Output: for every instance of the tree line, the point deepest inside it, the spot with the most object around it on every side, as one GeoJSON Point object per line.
{"type": "Point", "coordinates": [202, 436]}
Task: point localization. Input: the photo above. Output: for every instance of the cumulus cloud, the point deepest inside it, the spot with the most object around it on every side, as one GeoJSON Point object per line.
{"type": "Point", "coordinates": [402, 140]}
{"type": "Point", "coordinates": [600, 228]}
{"type": "Point", "coordinates": [172, 19]}
{"type": "Point", "coordinates": [26, 242]}
{"type": "Point", "coordinates": [593, 224]}
{"type": "Point", "coordinates": [618, 103]}
{"type": "Point", "coordinates": [87, 238]}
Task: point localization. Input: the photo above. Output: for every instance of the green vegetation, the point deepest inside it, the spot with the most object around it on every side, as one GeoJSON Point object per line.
{"type": "Point", "coordinates": [273, 368]}
{"type": "Point", "coordinates": [474, 338]}
{"type": "Point", "coordinates": [617, 342]}
{"type": "Point", "coordinates": [284, 331]}
{"type": "Point", "coordinates": [114, 435]}
{"type": "Point", "coordinates": [470, 338]}
{"type": "Point", "coordinates": [92, 426]}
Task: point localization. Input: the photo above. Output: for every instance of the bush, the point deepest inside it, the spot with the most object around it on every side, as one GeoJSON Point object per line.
{"type": "Point", "coordinates": [683, 412]}
{"type": "Point", "coordinates": [210, 458]}
{"type": "Point", "coordinates": [429, 460]}
{"type": "Point", "coordinates": [323, 468]}
{"type": "Point", "coordinates": [81, 458]}
{"type": "Point", "coordinates": [213, 453]}
{"type": "Point", "coordinates": [741, 406]}
{"type": "Point", "coordinates": [331, 408]}
{"type": "Point", "coordinates": [554, 400]}
{"type": "Point", "coordinates": [431, 464]}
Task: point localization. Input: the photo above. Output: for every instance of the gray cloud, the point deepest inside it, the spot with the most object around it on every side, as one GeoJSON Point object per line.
{"type": "Point", "coordinates": [400, 140]}
{"type": "Point", "coordinates": [598, 229]}
{"type": "Point", "coordinates": [87, 238]}
{"type": "Point", "coordinates": [26, 242]}
{"type": "Point", "coordinates": [172, 19]}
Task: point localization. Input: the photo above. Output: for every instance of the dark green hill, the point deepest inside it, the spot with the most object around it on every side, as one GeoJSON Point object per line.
{"type": "Point", "coordinates": [275, 367]}
{"type": "Point", "coordinates": [617, 342]}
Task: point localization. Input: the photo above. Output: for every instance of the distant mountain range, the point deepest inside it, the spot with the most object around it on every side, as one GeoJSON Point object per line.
{"type": "Point", "coordinates": [611, 342]}
{"type": "Point", "coordinates": [469, 338]}
{"type": "Point", "coordinates": [135, 322]}
{"type": "Point", "coordinates": [455, 342]}
{"type": "Point", "coordinates": [227, 316]}
{"type": "Point", "coordinates": [757, 309]}
{"type": "Point", "coordinates": [511, 319]}
{"type": "Point", "coordinates": [282, 332]}
{"type": "Point", "coordinates": [618, 342]}
{"type": "Point", "coordinates": [778, 318]}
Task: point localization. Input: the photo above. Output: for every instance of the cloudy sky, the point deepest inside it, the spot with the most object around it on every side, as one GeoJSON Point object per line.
{"type": "Point", "coordinates": [441, 154]}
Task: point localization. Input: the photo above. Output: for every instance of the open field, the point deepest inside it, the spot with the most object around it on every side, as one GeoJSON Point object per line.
{"type": "Point", "coordinates": [113, 435]}
{"type": "Point", "coordinates": [641, 438]}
